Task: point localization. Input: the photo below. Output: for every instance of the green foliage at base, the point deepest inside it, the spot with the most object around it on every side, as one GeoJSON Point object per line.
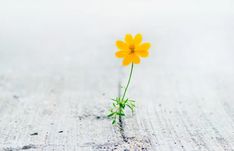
{"type": "Point", "coordinates": [118, 108]}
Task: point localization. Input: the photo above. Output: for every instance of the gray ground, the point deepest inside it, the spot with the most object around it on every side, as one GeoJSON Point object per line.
{"type": "Point", "coordinates": [58, 73]}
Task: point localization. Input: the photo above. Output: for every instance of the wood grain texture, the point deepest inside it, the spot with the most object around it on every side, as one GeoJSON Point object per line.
{"type": "Point", "coordinates": [58, 75]}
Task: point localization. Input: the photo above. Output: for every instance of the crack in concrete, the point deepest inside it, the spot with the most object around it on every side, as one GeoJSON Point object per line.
{"type": "Point", "coordinates": [30, 146]}
{"type": "Point", "coordinates": [121, 126]}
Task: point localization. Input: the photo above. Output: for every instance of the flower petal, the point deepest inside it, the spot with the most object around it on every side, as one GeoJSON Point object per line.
{"type": "Point", "coordinates": [135, 59]}
{"type": "Point", "coordinates": [129, 39]}
{"type": "Point", "coordinates": [121, 45]}
{"type": "Point", "coordinates": [143, 53]}
{"type": "Point", "coordinates": [137, 39]}
{"type": "Point", "coordinates": [121, 54]}
{"type": "Point", "coordinates": [127, 60]}
{"type": "Point", "coordinates": [144, 46]}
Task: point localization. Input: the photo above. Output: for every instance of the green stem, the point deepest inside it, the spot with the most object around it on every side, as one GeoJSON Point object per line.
{"type": "Point", "coordinates": [129, 79]}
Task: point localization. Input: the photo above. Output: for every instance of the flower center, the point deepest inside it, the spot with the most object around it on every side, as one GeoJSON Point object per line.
{"type": "Point", "coordinates": [132, 48]}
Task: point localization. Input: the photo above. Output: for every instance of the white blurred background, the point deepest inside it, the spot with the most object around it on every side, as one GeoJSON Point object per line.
{"type": "Point", "coordinates": [185, 34]}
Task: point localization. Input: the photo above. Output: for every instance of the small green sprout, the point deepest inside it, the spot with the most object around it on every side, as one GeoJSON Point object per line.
{"type": "Point", "coordinates": [118, 109]}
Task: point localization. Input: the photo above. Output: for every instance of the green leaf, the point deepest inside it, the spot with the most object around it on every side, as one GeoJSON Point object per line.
{"type": "Point", "coordinates": [111, 114]}
{"type": "Point", "coordinates": [125, 101]}
{"type": "Point", "coordinates": [121, 105]}
{"type": "Point", "coordinates": [114, 121]}
{"type": "Point", "coordinates": [120, 114]}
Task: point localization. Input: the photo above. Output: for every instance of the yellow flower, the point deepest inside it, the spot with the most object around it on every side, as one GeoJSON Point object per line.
{"type": "Point", "coordinates": [132, 49]}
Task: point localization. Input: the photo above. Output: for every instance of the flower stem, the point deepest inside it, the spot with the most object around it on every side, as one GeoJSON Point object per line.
{"type": "Point", "coordinates": [129, 79]}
